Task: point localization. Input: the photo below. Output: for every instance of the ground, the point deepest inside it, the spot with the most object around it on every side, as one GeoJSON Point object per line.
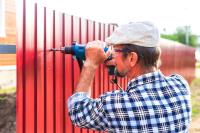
{"type": "Point", "coordinates": [195, 127]}
{"type": "Point", "coordinates": [7, 113]}
{"type": "Point", "coordinates": [7, 101]}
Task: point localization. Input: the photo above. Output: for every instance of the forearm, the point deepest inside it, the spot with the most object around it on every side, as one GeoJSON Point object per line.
{"type": "Point", "coordinates": [86, 78]}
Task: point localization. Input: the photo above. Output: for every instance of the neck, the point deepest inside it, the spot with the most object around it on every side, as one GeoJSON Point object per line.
{"type": "Point", "coordinates": [138, 70]}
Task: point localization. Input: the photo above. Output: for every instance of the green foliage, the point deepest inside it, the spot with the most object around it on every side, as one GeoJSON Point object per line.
{"type": "Point", "coordinates": [181, 33]}
{"type": "Point", "coordinates": [170, 37]}
{"type": "Point", "coordinates": [193, 40]}
{"type": "Point", "coordinates": [180, 36]}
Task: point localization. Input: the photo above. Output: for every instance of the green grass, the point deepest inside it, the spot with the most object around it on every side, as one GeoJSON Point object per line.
{"type": "Point", "coordinates": [195, 107]}
{"type": "Point", "coordinates": [8, 90]}
{"type": "Point", "coordinates": [2, 98]}
{"type": "Point", "coordinates": [195, 83]}
{"type": "Point", "coordinates": [195, 97]}
{"type": "Point", "coordinates": [198, 65]}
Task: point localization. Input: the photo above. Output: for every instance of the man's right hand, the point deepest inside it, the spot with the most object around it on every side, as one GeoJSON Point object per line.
{"type": "Point", "coordinates": [95, 54]}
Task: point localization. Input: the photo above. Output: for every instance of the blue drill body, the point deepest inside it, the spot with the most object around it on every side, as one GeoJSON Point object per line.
{"type": "Point", "coordinates": [78, 50]}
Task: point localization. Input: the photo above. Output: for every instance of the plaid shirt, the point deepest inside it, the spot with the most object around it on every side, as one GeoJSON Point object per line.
{"type": "Point", "coordinates": [151, 103]}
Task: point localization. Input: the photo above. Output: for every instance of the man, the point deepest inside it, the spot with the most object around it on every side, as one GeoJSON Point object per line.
{"type": "Point", "coordinates": [152, 102]}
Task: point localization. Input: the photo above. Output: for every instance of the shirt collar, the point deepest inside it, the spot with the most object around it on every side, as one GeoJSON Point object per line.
{"type": "Point", "coordinates": [144, 79]}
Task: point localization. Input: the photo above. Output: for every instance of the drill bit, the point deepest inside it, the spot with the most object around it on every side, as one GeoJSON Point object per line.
{"type": "Point", "coordinates": [61, 49]}
{"type": "Point", "coordinates": [55, 49]}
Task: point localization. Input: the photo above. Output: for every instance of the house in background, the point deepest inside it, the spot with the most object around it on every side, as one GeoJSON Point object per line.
{"type": "Point", "coordinates": [7, 30]}
{"type": "Point", "coordinates": [7, 42]}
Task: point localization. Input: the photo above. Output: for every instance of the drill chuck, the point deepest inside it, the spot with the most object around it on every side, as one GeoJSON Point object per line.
{"type": "Point", "coordinates": [67, 50]}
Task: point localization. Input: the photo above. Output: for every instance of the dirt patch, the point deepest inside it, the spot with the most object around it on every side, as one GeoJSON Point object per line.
{"type": "Point", "coordinates": [7, 113]}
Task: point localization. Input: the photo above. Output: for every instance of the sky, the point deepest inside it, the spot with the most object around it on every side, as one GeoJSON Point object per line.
{"type": "Point", "coordinates": [165, 14]}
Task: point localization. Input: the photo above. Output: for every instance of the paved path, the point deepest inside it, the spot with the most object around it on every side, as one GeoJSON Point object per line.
{"type": "Point", "coordinates": [195, 125]}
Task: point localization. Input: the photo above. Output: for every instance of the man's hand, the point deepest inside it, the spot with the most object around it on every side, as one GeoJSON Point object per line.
{"type": "Point", "coordinates": [95, 54]}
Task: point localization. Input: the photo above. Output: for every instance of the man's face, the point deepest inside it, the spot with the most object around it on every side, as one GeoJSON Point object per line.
{"type": "Point", "coordinates": [121, 63]}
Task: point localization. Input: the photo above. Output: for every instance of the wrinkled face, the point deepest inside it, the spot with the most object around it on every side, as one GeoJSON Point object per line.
{"type": "Point", "coordinates": [123, 65]}
{"type": "Point", "coordinates": [120, 61]}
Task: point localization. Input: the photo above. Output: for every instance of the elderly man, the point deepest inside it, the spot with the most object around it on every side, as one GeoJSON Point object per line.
{"type": "Point", "coordinates": [152, 102]}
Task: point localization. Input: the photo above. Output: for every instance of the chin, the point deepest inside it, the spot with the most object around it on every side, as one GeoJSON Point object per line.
{"type": "Point", "coordinates": [120, 74]}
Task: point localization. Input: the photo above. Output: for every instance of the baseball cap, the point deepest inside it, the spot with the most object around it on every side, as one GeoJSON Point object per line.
{"type": "Point", "coordinates": [137, 33]}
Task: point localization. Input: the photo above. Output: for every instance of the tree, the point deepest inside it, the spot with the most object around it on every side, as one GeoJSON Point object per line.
{"type": "Point", "coordinates": [181, 36]}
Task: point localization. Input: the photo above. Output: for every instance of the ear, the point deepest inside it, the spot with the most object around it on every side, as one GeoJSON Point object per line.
{"type": "Point", "coordinates": [133, 57]}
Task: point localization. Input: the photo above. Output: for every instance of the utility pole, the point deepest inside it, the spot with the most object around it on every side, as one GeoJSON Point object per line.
{"type": "Point", "coordinates": [187, 30]}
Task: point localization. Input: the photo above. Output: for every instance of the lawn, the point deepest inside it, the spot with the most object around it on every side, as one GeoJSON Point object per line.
{"type": "Point", "coordinates": [195, 97]}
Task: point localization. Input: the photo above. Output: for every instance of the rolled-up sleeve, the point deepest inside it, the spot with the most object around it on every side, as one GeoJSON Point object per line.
{"type": "Point", "coordinates": [87, 112]}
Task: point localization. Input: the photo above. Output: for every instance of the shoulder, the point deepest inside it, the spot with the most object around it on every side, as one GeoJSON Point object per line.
{"type": "Point", "coordinates": [177, 81]}
{"type": "Point", "coordinates": [180, 79]}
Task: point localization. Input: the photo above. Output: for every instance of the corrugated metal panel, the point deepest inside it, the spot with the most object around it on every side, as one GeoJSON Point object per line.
{"type": "Point", "coordinates": [45, 79]}
{"type": "Point", "coordinates": [178, 58]}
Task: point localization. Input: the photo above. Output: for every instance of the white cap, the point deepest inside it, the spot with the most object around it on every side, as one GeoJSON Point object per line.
{"type": "Point", "coordinates": [138, 33]}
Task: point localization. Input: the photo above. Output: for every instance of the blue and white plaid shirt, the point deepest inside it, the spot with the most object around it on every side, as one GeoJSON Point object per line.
{"type": "Point", "coordinates": [151, 103]}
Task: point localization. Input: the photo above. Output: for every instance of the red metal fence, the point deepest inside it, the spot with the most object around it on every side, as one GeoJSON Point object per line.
{"type": "Point", "coordinates": [177, 58]}
{"type": "Point", "coordinates": [45, 79]}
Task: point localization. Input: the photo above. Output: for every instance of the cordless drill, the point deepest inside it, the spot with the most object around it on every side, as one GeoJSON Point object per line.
{"type": "Point", "coordinates": [78, 51]}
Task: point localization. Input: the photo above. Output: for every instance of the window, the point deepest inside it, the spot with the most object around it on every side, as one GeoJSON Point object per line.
{"type": "Point", "coordinates": [2, 18]}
